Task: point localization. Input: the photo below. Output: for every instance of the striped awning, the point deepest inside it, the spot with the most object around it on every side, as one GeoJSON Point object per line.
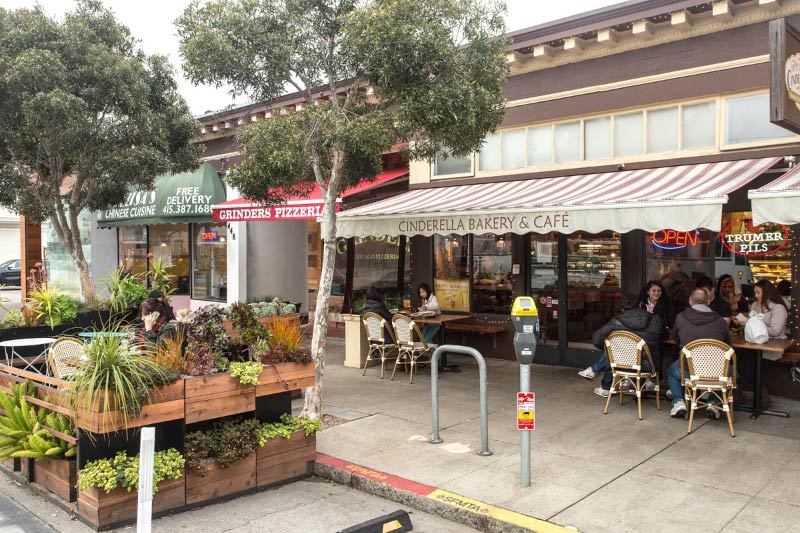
{"type": "Point", "coordinates": [778, 201]}
{"type": "Point", "coordinates": [681, 198]}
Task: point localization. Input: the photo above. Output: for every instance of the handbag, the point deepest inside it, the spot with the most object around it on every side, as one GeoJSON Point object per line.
{"type": "Point", "coordinates": [755, 330]}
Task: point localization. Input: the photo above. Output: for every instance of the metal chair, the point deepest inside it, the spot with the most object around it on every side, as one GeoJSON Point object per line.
{"type": "Point", "coordinates": [708, 362]}
{"type": "Point", "coordinates": [59, 352]}
{"type": "Point", "coordinates": [375, 327]}
{"type": "Point", "coordinates": [625, 351]}
{"type": "Point", "coordinates": [410, 350]}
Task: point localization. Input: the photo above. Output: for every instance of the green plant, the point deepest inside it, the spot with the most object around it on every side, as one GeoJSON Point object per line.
{"type": "Point", "coordinates": [222, 441]}
{"type": "Point", "coordinates": [247, 372]}
{"type": "Point", "coordinates": [160, 278]}
{"type": "Point", "coordinates": [117, 374]}
{"type": "Point", "coordinates": [288, 425]}
{"type": "Point", "coordinates": [285, 344]}
{"type": "Point", "coordinates": [123, 471]}
{"type": "Point", "coordinates": [244, 321]}
{"type": "Point", "coordinates": [13, 319]}
{"type": "Point", "coordinates": [125, 290]}
{"type": "Point", "coordinates": [358, 304]}
{"type": "Point", "coordinates": [207, 341]}
{"type": "Point", "coordinates": [52, 307]}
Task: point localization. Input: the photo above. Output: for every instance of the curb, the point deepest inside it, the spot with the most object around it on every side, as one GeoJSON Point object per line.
{"type": "Point", "coordinates": [448, 505]}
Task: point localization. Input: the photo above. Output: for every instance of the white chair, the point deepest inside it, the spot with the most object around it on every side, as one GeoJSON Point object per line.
{"type": "Point", "coordinates": [61, 351]}
{"type": "Point", "coordinates": [410, 349]}
{"type": "Point", "coordinates": [375, 328]}
{"type": "Point", "coordinates": [625, 351]}
{"type": "Point", "coordinates": [708, 362]}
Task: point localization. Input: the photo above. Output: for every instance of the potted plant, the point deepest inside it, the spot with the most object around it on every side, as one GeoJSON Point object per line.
{"type": "Point", "coordinates": [289, 365]}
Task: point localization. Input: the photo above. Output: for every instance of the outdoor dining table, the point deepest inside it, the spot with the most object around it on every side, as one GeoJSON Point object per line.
{"type": "Point", "coordinates": [91, 335]}
{"type": "Point", "coordinates": [439, 320]}
{"type": "Point", "coordinates": [10, 351]}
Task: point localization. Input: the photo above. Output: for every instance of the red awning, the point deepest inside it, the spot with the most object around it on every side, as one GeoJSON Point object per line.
{"type": "Point", "coordinates": [298, 208]}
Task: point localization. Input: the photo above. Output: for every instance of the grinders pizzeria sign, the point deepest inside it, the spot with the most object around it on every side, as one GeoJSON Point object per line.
{"type": "Point", "coordinates": [743, 238]}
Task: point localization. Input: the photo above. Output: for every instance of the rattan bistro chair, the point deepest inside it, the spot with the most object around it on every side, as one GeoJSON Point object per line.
{"type": "Point", "coordinates": [61, 350]}
{"type": "Point", "coordinates": [625, 351]}
{"type": "Point", "coordinates": [708, 362]}
{"type": "Point", "coordinates": [375, 327]}
{"type": "Point", "coordinates": [410, 350]}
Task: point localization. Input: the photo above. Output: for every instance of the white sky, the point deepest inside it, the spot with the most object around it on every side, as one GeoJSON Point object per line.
{"type": "Point", "coordinates": [151, 21]}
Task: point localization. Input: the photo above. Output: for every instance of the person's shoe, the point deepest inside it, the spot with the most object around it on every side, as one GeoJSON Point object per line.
{"type": "Point", "coordinates": [713, 412]}
{"type": "Point", "coordinates": [587, 374]}
{"type": "Point", "coordinates": [678, 410]}
{"type": "Point", "coordinates": [649, 386]}
{"type": "Point", "coordinates": [669, 394]}
{"type": "Point", "coordinates": [600, 391]}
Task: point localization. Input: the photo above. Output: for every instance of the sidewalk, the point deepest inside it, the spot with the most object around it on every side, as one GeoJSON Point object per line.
{"type": "Point", "coordinates": [587, 467]}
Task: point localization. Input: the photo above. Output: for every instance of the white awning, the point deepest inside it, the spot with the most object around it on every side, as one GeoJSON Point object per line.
{"type": "Point", "coordinates": [681, 198]}
{"type": "Point", "coordinates": [778, 201]}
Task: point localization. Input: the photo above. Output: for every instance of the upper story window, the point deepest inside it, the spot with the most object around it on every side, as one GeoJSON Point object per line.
{"type": "Point", "coordinates": [447, 165]}
{"type": "Point", "coordinates": [747, 120]}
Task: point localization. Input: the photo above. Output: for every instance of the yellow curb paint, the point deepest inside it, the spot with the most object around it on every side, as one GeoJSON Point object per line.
{"type": "Point", "coordinates": [497, 513]}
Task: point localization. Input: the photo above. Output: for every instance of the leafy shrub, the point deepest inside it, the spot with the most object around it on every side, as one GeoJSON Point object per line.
{"type": "Point", "coordinates": [125, 290]}
{"type": "Point", "coordinates": [244, 321]}
{"type": "Point", "coordinates": [222, 441]}
{"type": "Point", "coordinates": [13, 319]}
{"type": "Point", "coordinates": [207, 341]}
{"type": "Point", "coordinates": [123, 471]}
{"type": "Point", "coordinates": [168, 353]}
{"type": "Point", "coordinates": [52, 307]}
{"type": "Point", "coordinates": [272, 307]}
{"type": "Point", "coordinates": [288, 425]}
{"type": "Point", "coordinates": [160, 278]}
{"type": "Point", "coordinates": [285, 344]}
{"type": "Point", "coordinates": [247, 372]}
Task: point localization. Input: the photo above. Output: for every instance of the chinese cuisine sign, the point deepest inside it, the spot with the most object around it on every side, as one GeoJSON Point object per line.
{"type": "Point", "coordinates": [743, 238]}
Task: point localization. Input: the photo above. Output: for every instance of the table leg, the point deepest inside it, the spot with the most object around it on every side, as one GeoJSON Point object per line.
{"type": "Point", "coordinates": [756, 409]}
{"type": "Point", "coordinates": [443, 366]}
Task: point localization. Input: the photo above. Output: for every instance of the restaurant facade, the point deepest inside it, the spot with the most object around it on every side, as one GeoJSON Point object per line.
{"type": "Point", "coordinates": [637, 145]}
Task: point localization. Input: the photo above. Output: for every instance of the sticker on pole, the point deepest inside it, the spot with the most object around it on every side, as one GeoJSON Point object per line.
{"type": "Point", "coordinates": [526, 411]}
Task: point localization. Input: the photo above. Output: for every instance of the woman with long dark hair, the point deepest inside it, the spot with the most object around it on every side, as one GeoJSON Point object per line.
{"type": "Point", "coordinates": [429, 303]}
{"type": "Point", "coordinates": [771, 305]}
{"type": "Point", "coordinates": [655, 301]}
{"type": "Point", "coordinates": [726, 290]}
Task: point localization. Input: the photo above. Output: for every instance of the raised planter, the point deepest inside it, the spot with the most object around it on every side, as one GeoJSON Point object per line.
{"type": "Point", "coordinates": [215, 396]}
{"type": "Point", "coordinates": [281, 460]}
{"type": "Point", "coordinates": [12, 464]}
{"type": "Point", "coordinates": [285, 377]}
{"type": "Point", "coordinates": [266, 321]}
{"type": "Point", "coordinates": [221, 482]}
{"type": "Point", "coordinates": [119, 506]}
{"type": "Point", "coordinates": [59, 476]}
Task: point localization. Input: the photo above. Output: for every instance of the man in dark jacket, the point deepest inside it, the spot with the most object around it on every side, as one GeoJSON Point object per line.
{"type": "Point", "coordinates": [636, 320]}
{"type": "Point", "coordinates": [373, 304]}
{"type": "Point", "coordinates": [696, 322]}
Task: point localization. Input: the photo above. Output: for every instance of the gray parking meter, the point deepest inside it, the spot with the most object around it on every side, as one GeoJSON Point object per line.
{"type": "Point", "coordinates": [526, 323]}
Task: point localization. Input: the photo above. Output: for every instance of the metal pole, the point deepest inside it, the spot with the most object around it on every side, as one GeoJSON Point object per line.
{"type": "Point", "coordinates": [483, 380]}
{"type": "Point", "coordinates": [144, 514]}
{"type": "Point", "coordinates": [525, 436]}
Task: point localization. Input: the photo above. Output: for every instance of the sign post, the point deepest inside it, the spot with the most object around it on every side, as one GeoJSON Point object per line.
{"type": "Point", "coordinates": [526, 323]}
{"type": "Point", "coordinates": [144, 515]}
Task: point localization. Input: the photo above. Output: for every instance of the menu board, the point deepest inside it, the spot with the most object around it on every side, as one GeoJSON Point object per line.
{"type": "Point", "coordinates": [453, 294]}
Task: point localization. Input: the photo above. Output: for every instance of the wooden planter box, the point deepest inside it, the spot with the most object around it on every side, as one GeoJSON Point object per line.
{"type": "Point", "coordinates": [266, 321]}
{"type": "Point", "coordinates": [166, 403]}
{"type": "Point", "coordinates": [217, 395]}
{"type": "Point", "coordinates": [59, 476]}
{"type": "Point", "coordinates": [12, 464]}
{"type": "Point", "coordinates": [221, 482]}
{"type": "Point", "coordinates": [119, 506]}
{"type": "Point", "coordinates": [285, 377]}
{"type": "Point", "coordinates": [282, 459]}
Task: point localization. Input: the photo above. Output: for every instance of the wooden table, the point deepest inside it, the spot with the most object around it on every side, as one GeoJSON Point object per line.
{"type": "Point", "coordinates": [773, 345]}
{"type": "Point", "coordinates": [440, 320]}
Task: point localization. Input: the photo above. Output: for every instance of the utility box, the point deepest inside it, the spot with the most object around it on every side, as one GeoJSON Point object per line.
{"type": "Point", "coordinates": [526, 323]}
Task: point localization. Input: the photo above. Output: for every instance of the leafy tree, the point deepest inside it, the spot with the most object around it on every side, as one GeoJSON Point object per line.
{"type": "Point", "coordinates": [84, 117]}
{"type": "Point", "coordinates": [372, 73]}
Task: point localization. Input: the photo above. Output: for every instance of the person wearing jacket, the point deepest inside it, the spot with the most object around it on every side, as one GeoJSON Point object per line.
{"type": "Point", "coordinates": [156, 326]}
{"type": "Point", "coordinates": [698, 321]}
{"type": "Point", "coordinates": [373, 304]}
{"type": "Point", "coordinates": [429, 303]}
{"type": "Point", "coordinates": [636, 320]}
{"type": "Point", "coordinates": [655, 301]}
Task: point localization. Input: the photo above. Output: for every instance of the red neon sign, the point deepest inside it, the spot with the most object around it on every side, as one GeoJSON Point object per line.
{"type": "Point", "coordinates": [668, 239]}
{"type": "Point", "coordinates": [754, 241]}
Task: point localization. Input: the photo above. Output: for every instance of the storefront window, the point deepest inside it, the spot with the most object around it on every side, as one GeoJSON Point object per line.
{"type": "Point", "coordinates": [376, 264]}
{"type": "Point", "coordinates": [133, 249]}
{"type": "Point", "coordinates": [774, 266]}
{"type": "Point", "coordinates": [210, 268]}
{"type": "Point", "coordinates": [170, 243]}
{"type": "Point", "coordinates": [677, 259]}
{"type": "Point", "coordinates": [61, 268]}
{"type": "Point", "coordinates": [451, 278]}
{"type": "Point", "coordinates": [492, 287]}
{"type": "Point", "coordinates": [593, 274]}
{"type": "Point", "coordinates": [544, 283]}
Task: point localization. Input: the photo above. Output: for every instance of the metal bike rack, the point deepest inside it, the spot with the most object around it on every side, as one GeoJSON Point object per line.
{"type": "Point", "coordinates": [463, 350]}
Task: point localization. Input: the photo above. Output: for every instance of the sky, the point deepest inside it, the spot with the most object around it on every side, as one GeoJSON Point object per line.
{"type": "Point", "coordinates": [151, 21]}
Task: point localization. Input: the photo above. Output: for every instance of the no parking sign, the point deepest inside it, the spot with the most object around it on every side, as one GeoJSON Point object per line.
{"type": "Point", "coordinates": [526, 411]}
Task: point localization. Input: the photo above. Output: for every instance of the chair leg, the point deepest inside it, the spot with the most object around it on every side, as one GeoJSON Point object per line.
{"type": "Point", "coordinates": [411, 375]}
{"type": "Point", "coordinates": [610, 394]}
{"type": "Point", "coordinates": [397, 362]}
{"type": "Point", "coordinates": [692, 410]}
{"type": "Point", "coordinates": [728, 411]}
{"type": "Point", "coordinates": [383, 363]}
{"type": "Point", "coordinates": [639, 396]}
{"type": "Point", "coordinates": [657, 389]}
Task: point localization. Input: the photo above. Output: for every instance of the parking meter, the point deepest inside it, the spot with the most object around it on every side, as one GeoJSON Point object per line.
{"type": "Point", "coordinates": [526, 323]}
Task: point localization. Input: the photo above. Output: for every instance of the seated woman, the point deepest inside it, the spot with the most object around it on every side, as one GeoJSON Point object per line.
{"type": "Point", "coordinates": [156, 326]}
{"type": "Point", "coordinates": [771, 305]}
{"type": "Point", "coordinates": [655, 301]}
{"type": "Point", "coordinates": [166, 308]}
{"type": "Point", "coordinates": [429, 303]}
{"type": "Point", "coordinates": [726, 289]}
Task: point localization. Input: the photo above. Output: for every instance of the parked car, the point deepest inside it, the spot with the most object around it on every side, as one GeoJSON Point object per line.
{"type": "Point", "coordinates": [9, 272]}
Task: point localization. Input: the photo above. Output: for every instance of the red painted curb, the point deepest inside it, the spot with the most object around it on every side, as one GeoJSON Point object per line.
{"type": "Point", "coordinates": [376, 475]}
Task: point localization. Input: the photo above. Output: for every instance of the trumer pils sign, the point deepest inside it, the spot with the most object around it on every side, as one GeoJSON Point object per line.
{"type": "Point", "coordinates": [743, 238]}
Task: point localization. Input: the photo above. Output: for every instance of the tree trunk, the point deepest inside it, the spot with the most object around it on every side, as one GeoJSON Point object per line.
{"type": "Point", "coordinates": [84, 272]}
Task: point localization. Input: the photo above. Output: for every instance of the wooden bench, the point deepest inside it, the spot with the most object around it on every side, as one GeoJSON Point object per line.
{"type": "Point", "coordinates": [479, 326]}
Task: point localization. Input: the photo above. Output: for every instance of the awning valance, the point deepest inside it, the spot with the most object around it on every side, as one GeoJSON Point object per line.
{"type": "Point", "coordinates": [681, 198]}
{"type": "Point", "coordinates": [175, 199]}
{"type": "Point", "coordinates": [298, 208]}
{"type": "Point", "coordinates": [778, 201]}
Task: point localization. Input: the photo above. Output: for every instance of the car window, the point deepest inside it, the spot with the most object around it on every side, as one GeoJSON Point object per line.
{"type": "Point", "coordinates": [16, 264]}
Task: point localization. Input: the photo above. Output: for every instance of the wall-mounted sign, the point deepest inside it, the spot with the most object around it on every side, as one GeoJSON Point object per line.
{"type": "Point", "coordinates": [209, 236]}
{"type": "Point", "coordinates": [743, 238]}
{"type": "Point", "coordinates": [784, 47]}
{"type": "Point", "coordinates": [668, 239]}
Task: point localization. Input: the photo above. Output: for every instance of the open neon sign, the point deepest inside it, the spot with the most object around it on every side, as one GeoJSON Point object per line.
{"type": "Point", "coordinates": [210, 236]}
{"type": "Point", "coordinates": [668, 239]}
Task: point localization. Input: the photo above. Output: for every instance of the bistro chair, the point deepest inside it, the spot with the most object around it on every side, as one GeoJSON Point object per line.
{"type": "Point", "coordinates": [708, 362]}
{"type": "Point", "coordinates": [60, 352]}
{"type": "Point", "coordinates": [410, 350]}
{"type": "Point", "coordinates": [375, 327]}
{"type": "Point", "coordinates": [625, 352]}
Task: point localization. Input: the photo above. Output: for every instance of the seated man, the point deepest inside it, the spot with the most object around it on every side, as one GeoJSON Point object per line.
{"type": "Point", "coordinates": [696, 322]}
{"type": "Point", "coordinates": [715, 301]}
{"type": "Point", "coordinates": [636, 320]}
